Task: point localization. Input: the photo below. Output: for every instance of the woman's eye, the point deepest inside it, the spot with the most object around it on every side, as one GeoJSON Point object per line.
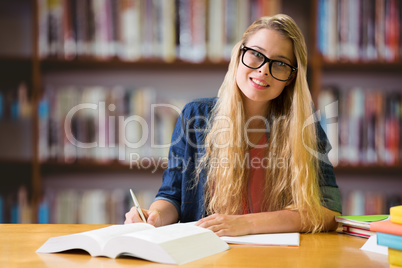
{"type": "Point", "coordinates": [280, 63]}
{"type": "Point", "coordinates": [257, 54]}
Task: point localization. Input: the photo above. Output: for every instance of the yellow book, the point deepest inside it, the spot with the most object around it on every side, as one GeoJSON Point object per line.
{"type": "Point", "coordinates": [395, 256]}
{"type": "Point", "coordinates": [396, 214]}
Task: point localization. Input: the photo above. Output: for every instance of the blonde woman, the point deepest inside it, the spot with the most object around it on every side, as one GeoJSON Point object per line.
{"type": "Point", "coordinates": [250, 161]}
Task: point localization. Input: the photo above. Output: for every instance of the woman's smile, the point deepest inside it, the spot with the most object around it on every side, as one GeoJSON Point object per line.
{"type": "Point", "coordinates": [258, 83]}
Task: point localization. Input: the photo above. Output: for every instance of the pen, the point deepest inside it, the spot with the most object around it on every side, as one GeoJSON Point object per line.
{"type": "Point", "coordinates": [137, 206]}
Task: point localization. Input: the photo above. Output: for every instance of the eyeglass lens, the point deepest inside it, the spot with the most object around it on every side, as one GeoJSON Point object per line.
{"type": "Point", "coordinates": [278, 69]}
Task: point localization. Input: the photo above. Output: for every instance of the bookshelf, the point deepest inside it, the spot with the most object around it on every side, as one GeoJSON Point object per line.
{"type": "Point", "coordinates": [47, 63]}
{"type": "Point", "coordinates": [356, 55]}
{"type": "Point", "coordinates": [178, 77]}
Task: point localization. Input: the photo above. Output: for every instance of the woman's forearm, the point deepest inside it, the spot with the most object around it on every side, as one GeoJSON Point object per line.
{"type": "Point", "coordinates": [288, 221]}
{"type": "Point", "coordinates": [282, 221]}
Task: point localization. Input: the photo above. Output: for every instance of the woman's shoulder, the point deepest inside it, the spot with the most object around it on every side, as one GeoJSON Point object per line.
{"type": "Point", "coordinates": [199, 107]}
{"type": "Point", "coordinates": [203, 102]}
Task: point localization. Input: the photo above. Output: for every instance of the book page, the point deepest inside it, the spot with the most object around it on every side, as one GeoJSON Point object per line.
{"type": "Point", "coordinates": [169, 232]}
{"type": "Point", "coordinates": [175, 244]}
{"type": "Point", "coordinates": [371, 245]}
{"type": "Point", "coordinates": [90, 241]}
{"type": "Point", "coordinates": [105, 234]}
{"type": "Point", "coordinates": [279, 239]}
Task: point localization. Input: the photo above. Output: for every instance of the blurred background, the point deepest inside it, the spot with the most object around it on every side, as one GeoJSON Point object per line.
{"type": "Point", "coordinates": [73, 73]}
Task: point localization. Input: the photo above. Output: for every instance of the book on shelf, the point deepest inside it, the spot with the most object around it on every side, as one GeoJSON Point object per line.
{"type": "Point", "coordinates": [24, 206]}
{"type": "Point", "coordinates": [43, 212]}
{"type": "Point", "coordinates": [8, 201]}
{"type": "Point", "coordinates": [15, 206]}
{"type": "Point", "coordinates": [395, 256]}
{"type": "Point", "coordinates": [172, 244]}
{"type": "Point", "coordinates": [191, 27]}
{"type": "Point", "coordinates": [215, 35]}
{"type": "Point", "coordinates": [15, 104]}
{"type": "Point", "coordinates": [359, 225]}
{"type": "Point", "coordinates": [43, 129]}
{"type": "Point", "coordinates": [328, 105]}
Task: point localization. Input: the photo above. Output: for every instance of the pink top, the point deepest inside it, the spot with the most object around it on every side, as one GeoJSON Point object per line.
{"type": "Point", "coordinates": [257, 178]}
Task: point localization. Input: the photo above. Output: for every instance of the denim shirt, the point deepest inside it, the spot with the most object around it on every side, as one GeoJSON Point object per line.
{"type": "Point", "coordinates": [187, 147]}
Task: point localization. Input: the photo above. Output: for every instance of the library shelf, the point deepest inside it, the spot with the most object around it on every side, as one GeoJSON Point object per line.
{"type": "Point", "coordinates": [361, 66]}
{"type": "Point", "coordinates": [117, 166]}
{"type": "Point", "coordinates": [374, 169]}
{"type": "Point", "coordinates": [15, 67]}
{"type": "Point", "coordinates": [319, 64]}
{"type": "Point", "coordinates": [11, 163]}
{"type": "Point", "coordinates": [91, 63]}
{"type": "Point", "coordinates": [4, 60]}
{"type": "Point", "coordinates": [92, 166]}
{"type": "Point", "coordinates": [32, 69]}
{"type": "Point", "coordinates": [14, 173]}
{"type": "Point", "coordinates": [148, 166]}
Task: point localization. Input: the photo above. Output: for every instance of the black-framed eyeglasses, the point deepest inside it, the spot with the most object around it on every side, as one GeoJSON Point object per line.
{"type": "Point", "coordinates": [278, 69]}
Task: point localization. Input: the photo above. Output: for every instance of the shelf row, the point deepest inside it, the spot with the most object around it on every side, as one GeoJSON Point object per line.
{"type": "Point", "coordinates": [362, 124]}
{"type": "Point", "coordinates": [70, 205]}
{"type": "Point", "coordinates": [148, 166]}
{"type": "Point", "coordinates": [187, 29]}
{"type": "Point", "coordinates": [196, 30]}
{"type": "Point", "coordinates": [372, 202]}
{"type": "Point", "coordinates": [359, 30]}
{"type": "Point", "coordinates": [134, 125]}
{"type": "Point", "coordinates": [91, 63]}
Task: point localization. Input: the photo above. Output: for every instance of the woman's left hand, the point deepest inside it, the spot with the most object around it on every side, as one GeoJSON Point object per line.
{"type": "Point", "coordinates": [226, 225]}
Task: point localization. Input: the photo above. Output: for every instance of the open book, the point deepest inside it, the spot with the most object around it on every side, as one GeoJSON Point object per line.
{"type": "Point", "coordinates": [172, 244]}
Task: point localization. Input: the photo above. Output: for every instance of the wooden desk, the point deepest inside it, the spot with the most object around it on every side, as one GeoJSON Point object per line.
{"type": "Point", "coordinates": [18, 243]}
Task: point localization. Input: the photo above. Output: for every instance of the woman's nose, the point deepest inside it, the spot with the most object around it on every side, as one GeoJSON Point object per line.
{"type": "Point", "coordinates": [264, 69]}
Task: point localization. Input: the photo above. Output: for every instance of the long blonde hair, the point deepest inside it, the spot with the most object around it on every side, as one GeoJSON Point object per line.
{"type": "Point", "coordinates": [294, 186]}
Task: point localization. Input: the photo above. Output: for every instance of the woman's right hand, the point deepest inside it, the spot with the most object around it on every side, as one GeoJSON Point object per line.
{"type": "Point", "coordinates": [152, 217]}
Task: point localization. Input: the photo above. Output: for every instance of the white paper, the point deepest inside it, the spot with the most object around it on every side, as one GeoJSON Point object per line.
{"type": "Point", "coordinates": [372, 246]}
{"type": "Point", "coordinates": [282, 239]}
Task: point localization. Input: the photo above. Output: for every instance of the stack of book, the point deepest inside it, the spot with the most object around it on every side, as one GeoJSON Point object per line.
{"type": "Point", "coordinates": [389, 234]}
{"type": "Point", "coordinates": [359, 225]}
